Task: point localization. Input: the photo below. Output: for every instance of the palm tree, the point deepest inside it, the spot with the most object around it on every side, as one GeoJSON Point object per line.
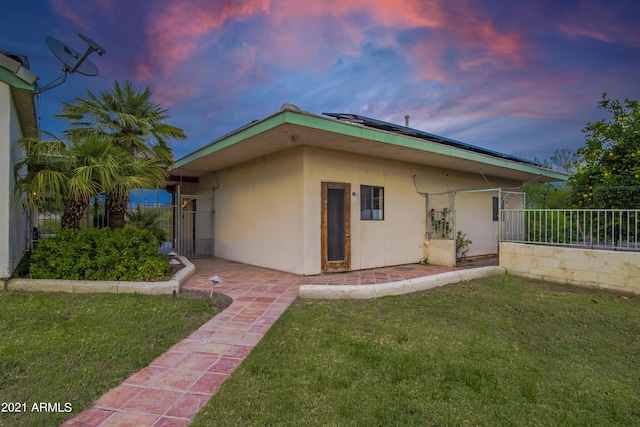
{"type": "Point", "coordinates": [132, 122]}
{"type": "Point", "coordinates": [69, 174]}
{"type": "Point", "coordinates": [133, 173]}
{"type": "Point", "coordinates": [66, 174]}
{"type": "Point", "coordinates": [147, 219]}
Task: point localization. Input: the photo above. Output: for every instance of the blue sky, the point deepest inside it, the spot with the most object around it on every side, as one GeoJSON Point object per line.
{"type": "Point", "coordinates": [519, 77]}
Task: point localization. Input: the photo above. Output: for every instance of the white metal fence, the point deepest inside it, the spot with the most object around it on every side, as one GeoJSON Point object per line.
{"type": "Point", "coordinates": [592, 228]}
{"type": "Point", "coordinates": [194, 227]}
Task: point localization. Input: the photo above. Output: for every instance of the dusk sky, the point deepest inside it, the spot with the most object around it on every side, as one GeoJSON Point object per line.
{"type": "Point", "coordinates": [519, 77]}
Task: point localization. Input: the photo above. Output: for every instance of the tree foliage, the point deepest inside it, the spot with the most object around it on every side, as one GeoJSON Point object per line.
{"type": "Point", "coordinates": [552, 195]}
{"type": "Point", "coordinates": [608, 165]}
{"type": "Point", "coordinates": [58, 173]}
{"type": "Point", "coordinates": [131, 121]}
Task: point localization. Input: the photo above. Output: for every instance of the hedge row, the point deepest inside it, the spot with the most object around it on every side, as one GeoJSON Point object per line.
{"type": "Point", "coordinates": [99, 254]}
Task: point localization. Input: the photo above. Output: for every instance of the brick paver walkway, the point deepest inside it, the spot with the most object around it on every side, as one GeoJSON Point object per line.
{"type": "Point", "coordinates": [175, 386]}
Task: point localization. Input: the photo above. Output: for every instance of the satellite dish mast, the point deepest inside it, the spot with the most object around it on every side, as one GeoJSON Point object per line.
{"type": "Point", "coordinates": [72, 61]}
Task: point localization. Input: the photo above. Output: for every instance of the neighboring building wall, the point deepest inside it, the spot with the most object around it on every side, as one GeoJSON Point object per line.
{"type": "Point", "coordinates": [6, 113]}
{"type": "Point", "coordinates": [18, 224]}
{"type": "Point", "coordinates": [12, 218]}
{"type": "Point", "coordinates": [617, 270]}
{"type": "Point", "coordinates": [259, 207]}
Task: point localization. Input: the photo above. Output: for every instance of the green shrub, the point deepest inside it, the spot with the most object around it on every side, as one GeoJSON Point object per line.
{"type": "Point", "coordinates": [147, 219]}
{"type": "Point", "coordinates": [22, 270]}
{"type": "Point", "coordinates": [99, 254]}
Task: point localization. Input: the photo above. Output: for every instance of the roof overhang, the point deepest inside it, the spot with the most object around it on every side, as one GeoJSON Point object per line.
{"type": "Point", "coordinates": [289, 128]}
{"type": "Point", "coordinates": [22, 84]}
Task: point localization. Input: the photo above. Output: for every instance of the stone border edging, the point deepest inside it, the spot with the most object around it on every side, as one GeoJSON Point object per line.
{"type": "Point", "coordinates": [115, 287]}
{"type": "Point", "coordinates": [396, 288]}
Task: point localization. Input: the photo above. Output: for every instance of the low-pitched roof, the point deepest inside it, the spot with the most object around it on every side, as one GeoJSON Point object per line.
{"type": "Point", "coordinates": [291, 127]}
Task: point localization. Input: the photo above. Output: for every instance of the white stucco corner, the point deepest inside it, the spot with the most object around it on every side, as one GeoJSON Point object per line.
{"type": "Point", "coordinates": [396, 288]}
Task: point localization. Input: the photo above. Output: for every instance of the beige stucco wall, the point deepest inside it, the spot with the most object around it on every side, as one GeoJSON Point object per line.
{"type": "Point", "coordinates": [12, 218]}
{"type": "Point", "coordinates": [474, 216]}
{"type": "Point", "coordinates": [268, 211]}
{"type": "Point", "coordinates": [441, 252]}
{"type": "Point", "coordinates": [398, 239]}
{"type": "Point", "coordinates": [6, 113]}
{"type": "Point", "coordinates": [615, 270]}
{"type": "Point", "coordinates": [259, 207]}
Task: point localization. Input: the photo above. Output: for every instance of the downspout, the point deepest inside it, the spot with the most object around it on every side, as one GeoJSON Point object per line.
{"type": "Point", "coordinates": [177, 217]}
{"type": "Point", "coordinates": [455, 229]}
{"type": "Point", "coordinates": [499, 221]}
{"type": "Point", "coordinates": [213, 213]}
{"type": "Point", "coordinates": [425, 243]}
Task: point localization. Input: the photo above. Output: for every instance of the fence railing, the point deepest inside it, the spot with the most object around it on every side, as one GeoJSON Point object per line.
{"type": "Point", "coordinates": [48, 220]}
{"type": "Point", "coordinates": [593, 228]}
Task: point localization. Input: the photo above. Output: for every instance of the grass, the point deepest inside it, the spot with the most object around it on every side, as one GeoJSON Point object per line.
{"type": "Point", "coordinates": [75, 347]}
{"type": "Point", "coordinates": [492, 352]}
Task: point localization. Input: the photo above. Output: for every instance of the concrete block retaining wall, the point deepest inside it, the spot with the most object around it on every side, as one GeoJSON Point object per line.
{"type": "Point", "coordinates": [616, 270]}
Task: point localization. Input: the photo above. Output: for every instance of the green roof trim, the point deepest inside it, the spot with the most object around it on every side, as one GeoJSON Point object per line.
{"type": "Point", "coordinates": [340, 127]}
{"type": "Point", "coordinates": [241, 134]}
{"type": "Point", "coordinates": [12, 80]}
{"type": "Point", "coordinates": [418, 144]}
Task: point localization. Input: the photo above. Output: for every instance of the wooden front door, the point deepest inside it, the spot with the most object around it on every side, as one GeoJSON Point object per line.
{"type": "Point", "coordinates": [336, 226]}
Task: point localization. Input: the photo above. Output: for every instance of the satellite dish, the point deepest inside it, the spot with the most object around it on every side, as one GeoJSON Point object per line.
{"type": "Point", "coordinates": [93, 45]}
{"type": "Point", "coordinates": [72, 60]}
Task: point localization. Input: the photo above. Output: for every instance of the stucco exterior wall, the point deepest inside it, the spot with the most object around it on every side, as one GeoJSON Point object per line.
{"type": "Point", "coordinates": [615, 270]}
{"type": "Point", "coordinates": [400, 238]}
{"type": "Point", "coordinates": [5, 148]}
{"type": "Point", "coordinates": [474, 216]}
{"type": "Point", "coordinates": [268, 211]}
{"type": "Point", "coordinates": [441, 252]}
{"type": "Point", "coordinates": [397, 239]}
{"type": "Point", "coordinates": [12, 218]}
{"type": "Point", "coordinates": [259, 207]}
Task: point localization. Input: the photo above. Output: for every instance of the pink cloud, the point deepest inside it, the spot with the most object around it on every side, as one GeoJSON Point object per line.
{"type": "Point", "coordinates": [575, 32]}
{"type": "Point", "coordinates": [177, 31]}
{"type": "Point", "coordinates": [290, 34]}
{"type": "Point", "coordinates": [72, 14]}
{"type": "Point", "coordinates": [603, 23]}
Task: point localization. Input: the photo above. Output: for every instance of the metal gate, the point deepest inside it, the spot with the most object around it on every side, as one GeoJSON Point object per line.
{"type": "Point", "coordinates": [194, 226]}
{"type": "Point", "coordinates": [512, 220]}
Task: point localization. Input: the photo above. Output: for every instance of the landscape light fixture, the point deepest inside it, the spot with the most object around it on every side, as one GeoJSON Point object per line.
{"type": "Point", "coordinates": [214, 281]}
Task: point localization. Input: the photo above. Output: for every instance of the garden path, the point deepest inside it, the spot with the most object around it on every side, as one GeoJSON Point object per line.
{"type": "Point", "coordinates": [176, 385]}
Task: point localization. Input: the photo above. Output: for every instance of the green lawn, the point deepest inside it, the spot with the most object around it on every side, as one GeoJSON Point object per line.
{"type": "Point", "coordinates": [73, 348]}
{"type": "Point", "coordinates": [492, 352]}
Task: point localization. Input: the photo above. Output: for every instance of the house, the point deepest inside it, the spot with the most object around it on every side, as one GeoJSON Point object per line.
{"type": "Point", "coordinates": [17, 117]}
{"type": "Point", "coordinates": [308, 194]}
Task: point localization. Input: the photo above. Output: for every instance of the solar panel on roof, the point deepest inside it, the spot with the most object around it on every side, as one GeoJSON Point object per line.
{"type": "Point", "coordinates": [407, 131]}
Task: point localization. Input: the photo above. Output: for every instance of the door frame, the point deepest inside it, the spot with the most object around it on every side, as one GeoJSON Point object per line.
{"type": "Point", "coordinates": [345, 264]}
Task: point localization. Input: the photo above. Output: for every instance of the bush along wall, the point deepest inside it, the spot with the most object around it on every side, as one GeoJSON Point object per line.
{"type": "Point", "coordinates": [100, 254]}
